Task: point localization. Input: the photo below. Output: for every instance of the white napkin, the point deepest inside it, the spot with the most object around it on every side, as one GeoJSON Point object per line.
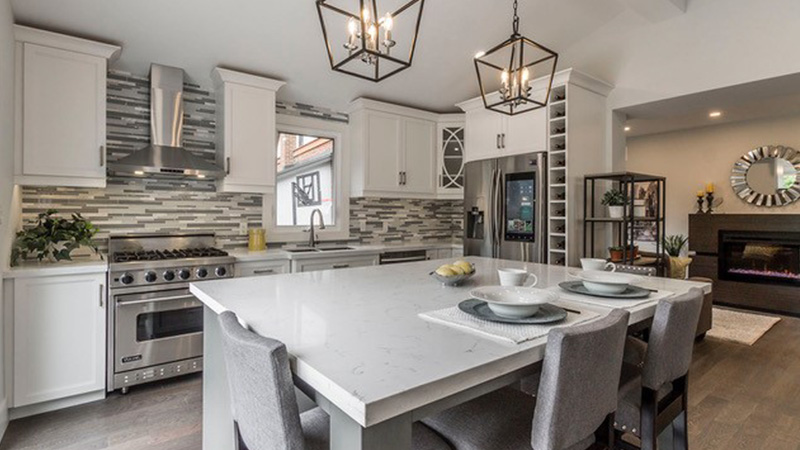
{"type": "Point", "coordinates": [609, 302]}
{"type": "Point", "coordinates": [505, 332]}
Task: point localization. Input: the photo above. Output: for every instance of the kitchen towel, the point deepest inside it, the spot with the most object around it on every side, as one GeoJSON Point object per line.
{"type": "Point", "coordinates": [504, 332]}
{"type": "Point", "coordinates": [609, 302]}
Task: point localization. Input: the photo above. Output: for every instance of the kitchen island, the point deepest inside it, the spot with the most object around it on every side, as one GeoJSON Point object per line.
{"type": "Point", "coordinates": [361, 351]}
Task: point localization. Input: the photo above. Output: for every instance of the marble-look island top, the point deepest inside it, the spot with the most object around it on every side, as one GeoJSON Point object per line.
{"type": "Point", "coordinates": [356, 338]}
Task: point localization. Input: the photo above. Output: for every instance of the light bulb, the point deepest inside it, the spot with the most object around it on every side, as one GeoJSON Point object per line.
{"type": "Point", "coordinates": [504, 77]}
{"type": "Point", "coordinates": [388, 22]}
{"type": "Point", "coordinates": [525, 75]}
{"type": "Point", "coordinates": [480, 54]}
{"type": "Point", "coordinates": [352, 26]}
{"type": "Point", "coordinates": [365, 15]}
{"type": "Point", "coordinates": [372, 31]}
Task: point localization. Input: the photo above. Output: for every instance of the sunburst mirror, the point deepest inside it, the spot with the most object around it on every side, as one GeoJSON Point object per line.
{"type": "Point", "coordinates": [768, 176]}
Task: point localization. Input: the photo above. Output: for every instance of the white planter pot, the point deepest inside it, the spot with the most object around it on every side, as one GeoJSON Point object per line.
{"type": "Point", "coordinates": [616, 212]}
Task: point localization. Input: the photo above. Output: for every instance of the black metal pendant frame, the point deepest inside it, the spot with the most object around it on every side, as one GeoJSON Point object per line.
{"type": "Point", "coordinates": [363, 50]}
{"type": "Point", "coordinates": [517, 43]}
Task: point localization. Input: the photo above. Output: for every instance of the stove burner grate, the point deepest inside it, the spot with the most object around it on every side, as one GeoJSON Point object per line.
{"type": "Point", "coordinates": [161, 255]}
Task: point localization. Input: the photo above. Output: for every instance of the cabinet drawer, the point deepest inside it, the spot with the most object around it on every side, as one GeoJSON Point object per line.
{"type": "Point", "coordinates": [310, 265]}
{"type": "Point", "coordinates": [262, 268]}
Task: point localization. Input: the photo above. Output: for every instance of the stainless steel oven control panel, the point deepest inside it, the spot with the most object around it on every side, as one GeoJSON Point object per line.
{"type": "Point", "coordinates": [148, 374]}
{"type": "Point", "coordinates": [170, 275]}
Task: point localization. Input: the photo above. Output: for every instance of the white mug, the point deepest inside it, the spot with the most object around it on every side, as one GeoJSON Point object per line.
{"type": "Point", "coordinates": [516, 277]}
{"type": "Point", "coordinates": [597, 264]}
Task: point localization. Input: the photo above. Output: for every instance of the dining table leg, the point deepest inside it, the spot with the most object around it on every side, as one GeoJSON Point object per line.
{"type": "Point", "coordinates": [347, 434]}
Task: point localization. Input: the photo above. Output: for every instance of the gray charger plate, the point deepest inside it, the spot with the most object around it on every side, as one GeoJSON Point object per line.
{"type": "Point", "coordinates": [547, 313]}
{"type": "Point", "coordinates": [631, 293]}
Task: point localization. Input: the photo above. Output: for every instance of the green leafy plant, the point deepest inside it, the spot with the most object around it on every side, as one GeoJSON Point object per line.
{"type": "Point", "coordinates": [53, 236]}
{"type": "Point", "coordinates": [613, 197]}
{"type": "Point", "coordinates": [616, 248]}
{"type": "Point", "coordinates": [673, 244]}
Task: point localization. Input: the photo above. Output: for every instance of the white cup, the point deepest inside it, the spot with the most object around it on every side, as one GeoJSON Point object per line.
{"type": "Point", "coordinates": [516, 277]}
{"type": "Point", "coordinates": [597, 264]}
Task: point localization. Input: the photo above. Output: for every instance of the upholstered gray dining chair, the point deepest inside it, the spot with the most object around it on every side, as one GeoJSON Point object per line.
{"type": "Point", "coordinates": [266, 416]}
{"type": "Point", "coordinates": [654, 386]}
{"type": "Point", "coordinates": [575, 402]}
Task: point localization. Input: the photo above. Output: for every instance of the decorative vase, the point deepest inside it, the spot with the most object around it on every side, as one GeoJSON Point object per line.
{"type": "Point", "coordinates": [616, 212]}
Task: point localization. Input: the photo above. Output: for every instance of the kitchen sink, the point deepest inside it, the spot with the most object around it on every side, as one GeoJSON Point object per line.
{"type": "Point", "coordinates": [328, 249]}
{"type": "Point", "coordinates": [300, 250]}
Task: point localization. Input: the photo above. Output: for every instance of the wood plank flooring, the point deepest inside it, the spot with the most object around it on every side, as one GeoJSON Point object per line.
{"type": "Point", "coordinates": [741, 398]}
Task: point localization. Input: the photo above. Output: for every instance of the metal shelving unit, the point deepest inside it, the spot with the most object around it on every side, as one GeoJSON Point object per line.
{"type": "Point", "coordinates": [623, 228]}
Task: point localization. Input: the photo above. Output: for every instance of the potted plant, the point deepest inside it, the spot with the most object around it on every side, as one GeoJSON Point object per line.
{"type": "Point", "coordinates": [614, 199]}
{"type": "Point", "coordinates": [616, 253]}
{"type": "Point", "coordinates": [53, 237]}
{"type": "Point", "coordinates": [673, 245]}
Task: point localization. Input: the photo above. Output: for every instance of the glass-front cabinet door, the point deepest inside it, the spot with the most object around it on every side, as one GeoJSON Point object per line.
{"type": "Point", "coordinates": [451, 159]}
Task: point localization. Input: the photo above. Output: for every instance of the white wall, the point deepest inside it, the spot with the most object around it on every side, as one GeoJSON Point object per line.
{"type": "Point", "coordinates": [6, 165]}
{"type": "Point", "coordinates": [691, 158]}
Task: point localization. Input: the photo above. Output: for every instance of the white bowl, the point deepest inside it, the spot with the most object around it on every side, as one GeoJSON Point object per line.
{"type": "Point", "coordinates": [512, 301]}
{"type": "Point", "coordinates": [605, 282]}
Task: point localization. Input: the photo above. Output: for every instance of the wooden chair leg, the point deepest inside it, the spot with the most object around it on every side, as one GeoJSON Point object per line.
{"type": "Point", "coordinates": [649, 434]}
{"type": "Point", "coordinates": [606, 434]}
{"type": "Point", "coordinates": [680, 426]}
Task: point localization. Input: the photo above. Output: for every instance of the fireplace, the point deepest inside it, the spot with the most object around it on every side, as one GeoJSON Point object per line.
{"type": "Point", "coordinates": [759, 257]}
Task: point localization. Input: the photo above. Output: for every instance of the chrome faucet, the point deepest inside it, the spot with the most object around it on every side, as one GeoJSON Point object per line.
{"type": "Point", "coordinates": [312, 238]}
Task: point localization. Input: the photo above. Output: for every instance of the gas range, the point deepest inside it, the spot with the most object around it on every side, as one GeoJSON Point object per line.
{"type": "Point", "coordinates": [155, 324]}
{"type": "Point", "coordinates": [144, 260]}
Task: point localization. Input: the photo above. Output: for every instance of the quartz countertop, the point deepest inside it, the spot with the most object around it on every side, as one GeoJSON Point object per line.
{"type": "Point", "coordinates": [356, 338]}
{"type": "Point", "coordinates": [78, 266]}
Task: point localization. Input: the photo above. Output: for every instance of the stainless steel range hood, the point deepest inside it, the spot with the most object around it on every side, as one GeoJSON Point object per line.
{"type": "Point", "coordinates": [165, 156]}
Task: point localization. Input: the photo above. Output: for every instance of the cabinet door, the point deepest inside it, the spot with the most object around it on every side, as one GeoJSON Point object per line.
{"type": "Point", "coordinates": [526, 133]}
{"type": "Point", "coordinates": [262, 268]}
{"type": "Point", "coordinates": [383, 152]}
{"type": "Point", "coordinates": [63, 114]}
{"type": "Point", "coordinates": [419, 156]}
{"type": "Point", "coordinates": [311, 265]}
{"type": "Point", "coordinates": [59, 337]}
{"type": "Point", "coordinates": [482, 133]}
{"type": "Point", "coordinates": [250, 141]}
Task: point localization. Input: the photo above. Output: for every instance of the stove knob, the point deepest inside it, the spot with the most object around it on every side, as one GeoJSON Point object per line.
{"type": "Point", "coordinates": [221, 271]}
{"type": "Point", "coordinates": [150, 277]}
{"type": "Point", "coordinates": [126, 278]}
{"type": "Point", "coordinates": [184, 274]}
{"type": "Point", "coordinates": [202, 272]}
{"type": "Point", "coordinates": [169, 275]}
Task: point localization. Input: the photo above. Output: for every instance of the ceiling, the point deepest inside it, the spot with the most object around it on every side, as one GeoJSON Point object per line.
{"type": "Point", "coordinates": [774, 97]}
{"type": "Point", "coordinates": [283, 39]}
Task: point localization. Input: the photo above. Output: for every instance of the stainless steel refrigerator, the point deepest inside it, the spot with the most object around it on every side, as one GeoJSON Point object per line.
{"type": "Point", "coordinates": [505, 203]}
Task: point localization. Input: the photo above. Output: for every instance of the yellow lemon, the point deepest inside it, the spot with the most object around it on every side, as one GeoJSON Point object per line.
{"type": "Point", "coordinates": [465, 266]}
{"type": "Point", "coordinates": [446, 271]}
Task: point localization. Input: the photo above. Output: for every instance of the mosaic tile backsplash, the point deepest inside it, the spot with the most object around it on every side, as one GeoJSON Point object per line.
{"type": "Point", "coordinates": [129, 205]}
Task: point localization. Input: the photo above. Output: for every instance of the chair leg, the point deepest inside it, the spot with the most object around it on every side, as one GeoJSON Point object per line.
{"type": "Point", "coordinates": [680, 426]}
{"type": "Point", "coordinates": [606, 434]}
{"type": "Point", "coordinates": [238, 443]}
{"type": "Point", "coordinates": [649, 435]}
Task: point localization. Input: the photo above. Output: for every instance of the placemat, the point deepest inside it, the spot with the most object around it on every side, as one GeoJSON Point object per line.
{"type": "Point", "coordinates": [609, 302]}
{"type": "Point", "coordinates": [508, 333]}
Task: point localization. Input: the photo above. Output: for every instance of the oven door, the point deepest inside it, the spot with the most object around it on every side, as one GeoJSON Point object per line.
{"type": "Point", "coordinates": [156, 327]}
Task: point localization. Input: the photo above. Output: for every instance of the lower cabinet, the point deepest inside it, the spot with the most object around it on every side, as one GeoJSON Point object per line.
{"type": "Point", "coordinates": [334, 262]}
{"type": "Point", "coordinates": [262, 268]}
{"type": "Point", "coordinates": [59, 337]}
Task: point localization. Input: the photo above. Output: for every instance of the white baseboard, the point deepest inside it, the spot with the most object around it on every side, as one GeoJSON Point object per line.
{"type": "Point", "coordinates": [39, 408]}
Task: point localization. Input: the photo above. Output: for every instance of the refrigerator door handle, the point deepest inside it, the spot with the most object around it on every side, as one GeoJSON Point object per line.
{"type": "Point", "coordinates": [497, 212]}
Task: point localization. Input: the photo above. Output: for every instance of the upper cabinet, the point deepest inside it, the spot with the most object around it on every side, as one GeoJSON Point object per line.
{"type": "Point", "coordinates": [490, 134]}
{"type": "Point", "coordinates": [394, 150]}
{"type": "Point", "coordinates": [60, 109]}
{"type": "Point", "coordinates": [451, 136]}
{"type": "Point", "coordinates": [246, 136]}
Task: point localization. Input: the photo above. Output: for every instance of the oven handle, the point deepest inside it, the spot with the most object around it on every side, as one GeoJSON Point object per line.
{"type": "Point", "coordinates": [154, 300]}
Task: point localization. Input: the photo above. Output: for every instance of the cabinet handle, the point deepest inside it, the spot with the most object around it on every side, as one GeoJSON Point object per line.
{"type": "Point", "coordinates": [498, 141]}
{"type": "Point", "coordinates": [260, 271]}
{"type": "Point", "coordinates": [228, 165]}
{"type": "Point", "coordinates": [102, 292]}
{"type": "Point", "coordinates": [503, 140]}
{"type": "Point", "coordinates": [341, 266]}
{"type": "Point", "coordinates": [405, 181]}
{"type": "Point", "coordinates": [102, 155]}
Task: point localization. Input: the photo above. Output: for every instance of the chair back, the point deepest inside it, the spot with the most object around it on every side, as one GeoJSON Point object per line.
{"type": "Point", "coordinates": [262, 391]}
{"type": "Point", "coordinates": [636, 270]}
{"type": "Point", "coordinates": [669, 348]}
{"type": "Point", "coordinates": [579, 381]}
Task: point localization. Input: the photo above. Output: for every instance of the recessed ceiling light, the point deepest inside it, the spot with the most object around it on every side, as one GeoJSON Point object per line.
{"type": "Point", "coordinates": [714, 114]}
{"type": "Point", "coordinates": [201, 176]}
{"type": "Point", "coordinates": [627, 128]}
{"type": "Point", "coordinates": [138, 172]}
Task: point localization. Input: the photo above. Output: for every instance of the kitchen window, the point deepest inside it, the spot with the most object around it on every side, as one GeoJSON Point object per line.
{"type": "Point", "coordinates": [309, 166]}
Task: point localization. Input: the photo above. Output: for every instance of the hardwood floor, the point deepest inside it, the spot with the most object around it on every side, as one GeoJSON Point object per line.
{"type": "Point", "coordinates": [741, 398]}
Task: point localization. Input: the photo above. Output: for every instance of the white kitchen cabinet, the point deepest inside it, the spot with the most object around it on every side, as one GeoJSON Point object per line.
{"type": "Point", "coordinates": [394, 151]}
{"type": "Point", "coordinates": [450, 135]}
{"type": "Point", "coordinates": [59, 337]}
{"type": "Point", "coordinates": [262, 268]}
{"type": "Point", "coordinates": [60, 109]}
{"type": "Point", "coordinates": [334, 262]}
{"type": "Point", "coordinates": [246, 135]}
{"type": "Point", "coordinates": [490, 134]}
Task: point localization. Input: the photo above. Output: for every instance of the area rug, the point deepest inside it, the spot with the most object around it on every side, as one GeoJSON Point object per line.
{"type": "Point", "coordinates": [740, 327]}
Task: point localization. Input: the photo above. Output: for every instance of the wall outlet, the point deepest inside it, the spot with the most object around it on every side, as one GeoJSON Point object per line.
{"type": "Point", "coordinates": [243, 227]}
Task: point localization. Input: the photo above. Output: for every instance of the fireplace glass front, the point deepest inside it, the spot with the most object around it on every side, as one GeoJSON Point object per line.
{"type": "Point", "coordinates": [759, 257]}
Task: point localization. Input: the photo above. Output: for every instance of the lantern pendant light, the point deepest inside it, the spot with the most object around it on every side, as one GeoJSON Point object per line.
{"type": "Point", "coordinates": [516, 76]}
{"type": "Point", "coordinates": [370, 44]}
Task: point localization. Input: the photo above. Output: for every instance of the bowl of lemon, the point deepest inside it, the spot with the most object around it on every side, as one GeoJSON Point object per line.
{"type": "Point", "coordinates": [453, 274]}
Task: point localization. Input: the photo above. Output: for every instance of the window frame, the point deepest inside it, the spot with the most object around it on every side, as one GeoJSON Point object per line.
{"type": "Point", "coordinates": [339, 132]}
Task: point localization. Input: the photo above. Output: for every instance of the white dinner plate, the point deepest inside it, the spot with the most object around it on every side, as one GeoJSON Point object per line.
{"type": "Point", "coordinates": [514, 301]}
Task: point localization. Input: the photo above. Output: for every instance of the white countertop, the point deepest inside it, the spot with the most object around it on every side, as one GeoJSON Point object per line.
{"type": "Point", "coordinates": [356, 338]}
{"type": "Point", "coordinates": [244, 255]}
{"type": "Point", "coordinates": [78, 266]}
